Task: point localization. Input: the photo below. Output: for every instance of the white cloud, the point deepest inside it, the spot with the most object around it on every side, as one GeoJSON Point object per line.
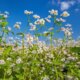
{"type": "Point", "coordinates": [67, 4]}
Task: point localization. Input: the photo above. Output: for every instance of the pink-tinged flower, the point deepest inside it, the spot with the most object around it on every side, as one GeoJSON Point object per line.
{"type": "Point", "coordinates": [67, 31]}
{"type": "Point", "coordinates": [48, 20]}
{"type": "Point", "coordinates": [60, 20]}
{"type": "Point", "coordinates": [53, 12]}
{"type": "Point", "coordinates": [33, 27]}
{"type": "Point", "coordinates": [39, 22]}
{"type": "Point", "coordinates": [2, 62]}
{"type": "Point", "coordinates": [30, 39]}
{"type": "Point", "coordinates": [28, 12]}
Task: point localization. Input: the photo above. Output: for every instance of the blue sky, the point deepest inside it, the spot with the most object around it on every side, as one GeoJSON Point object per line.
{"type": "Point", "coordinates": [41, 7]}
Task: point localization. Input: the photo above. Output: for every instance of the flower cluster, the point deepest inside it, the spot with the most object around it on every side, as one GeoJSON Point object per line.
{"type": "Point", "coordinates": [38, 54]}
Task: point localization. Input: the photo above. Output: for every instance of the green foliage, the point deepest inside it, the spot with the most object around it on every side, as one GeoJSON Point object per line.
{"type": "Point", "coordinates": [3, 24]}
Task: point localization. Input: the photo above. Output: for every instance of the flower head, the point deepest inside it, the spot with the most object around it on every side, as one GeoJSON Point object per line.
{"type": "Point", "coordinates": [17, 25]}
{"type": "Point", "coordinates": [36, 16]}
{"type": "Point", "coordinates": [30, 39]}
{"type": "Point", "coordinates": [53, 12]}
{"type": "Point", "coordinates": [39, 22]}
{"type": "Point", "coordinates": [33, 27]}
{"type": "Point", "coordinates": [28, 12]}
{"type": "Point", "coordinates": [18, 61]}
{"type": "Point", "coordinates": [2, 62]}
{"type": "Point", "coordinates": [9, 28]}
{"type": "Point", "coordinates": [65, 14]}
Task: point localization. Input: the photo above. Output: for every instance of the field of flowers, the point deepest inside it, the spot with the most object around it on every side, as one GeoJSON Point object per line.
{"type": "Point", "coordinates": [39, 55]}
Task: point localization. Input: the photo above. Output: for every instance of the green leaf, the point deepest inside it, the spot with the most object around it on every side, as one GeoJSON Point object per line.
{"type": "Point", "coordinates": [7, 50]}
{"type": "Point", "coordinates": [4, 24]}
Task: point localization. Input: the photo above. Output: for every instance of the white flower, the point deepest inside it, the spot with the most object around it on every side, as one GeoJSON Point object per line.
{"type": "Point", "coordinates": [9, 28]}
{"type": "Point", "coordinates": [36, 16]}
{"type": "Point", "coordinates": [46, 78]}
{"type": "Point", "coordinates": [68, 25]}
{"type": "Point", "coordinates": [17, 25]}
{"type": "Point", "coordinates": [33, 27]}
{"type": "Point", "coordinates": [39, 22]}
{"type": "Point", "coordinates": [28, 12]}
{"type": "Point", "coordinates": [18, 61]}
{"type": "Point", "coordinates": [12, 65]}
{"type": "Point", "coordinates": [65, 14]}
{"type": "Point", "coordinates": [48, 20]}
{"type": "Point", "coordinates": [53, 12]}
{"type": "Point", "coordinates": [67, 31]}
{"type": "Point", "coordinates": [2, 62]}
{"type": "Point", "coordinates": [60, 20]}
{"type": "Point", "coordinates": [49, 16]}
{"type": "Point", "coordinates": [9, 59]}
{"type": "Point", "coordinates": [45, 32]}
{"type": "Point", "coordinates": [30, 39]}
{"type": "Point", "coordinates": [5, 16]}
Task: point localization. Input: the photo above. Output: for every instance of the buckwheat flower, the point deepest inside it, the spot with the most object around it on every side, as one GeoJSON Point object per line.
{"type": "Point", "coordinates": [67, 31]}
{"type": "Point", "coordinates": [9, 59]}
{"type": "Point", "coordinates": [33, 27]}
{"type": "Point", "coordinates": [12, 65]}
{"type": "Point", "coordinates": [53, 12]}
{"type": "Point", "coordinates": [46, 78]}
{"type": "Point", "coordinates": [34, 52]}
{"type": "Point", "coordinates": [9, 28]}
{"type": "Point", "coordinates": [36, 16]}
{"type": "Point", "coordinates": [5, 16]}
{"type": "Point", "coordinates": [48, 20]}
{"type": "Point", "coordinates": [60, 20]}
{"type": "Point", "coordinates": [30, 38]}
{"type": "Point", "coordinates": [18, 61]}
{"type": "Point", "coordinates": [49, 16]}
{"type": "Point", "coordinates": [65, 14]}
{"type": "Point", "coordinates": [51, 28]}
{"type": "Point", "coordinates": [28, 12]}
{"type": "Point", "coordinates": [63, 29]}
{"type": "Point", "coordinates": [17, 25]}
{"type": "Point", "coordinates": [69, 77]}
{"type": "Point", "coordinates": [40, 50]}
{"type": "Point", "coordinates": [68, 25]}
{"type": "Point", "coordinates": [39, 22]}
{"type": "Point", "coordinates": [45, 32]}
{"type": "Point", "coordinates": [2, 62]}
